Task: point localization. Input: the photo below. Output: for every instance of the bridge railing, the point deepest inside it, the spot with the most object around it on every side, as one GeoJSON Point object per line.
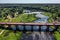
{"type": "Point", "coordinates": [47, 24]}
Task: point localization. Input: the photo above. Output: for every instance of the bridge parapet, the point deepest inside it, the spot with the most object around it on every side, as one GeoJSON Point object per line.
{"type": "Point", "coordinates": [42, 24]}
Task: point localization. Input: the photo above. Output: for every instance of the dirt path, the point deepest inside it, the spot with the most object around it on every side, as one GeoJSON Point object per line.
{"type": "Point", "coordinates": [2, 32]}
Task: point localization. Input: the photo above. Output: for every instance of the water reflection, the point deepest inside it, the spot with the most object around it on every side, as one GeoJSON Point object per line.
{"type": "Point", "coordinates": [20, 27]}
{"type": "Point", "coordinates": [43, 28]}
{"type": "Point", "coordinates": [35, 28]}
{"type": "Point", "coordinates": [50, 29]}
{"type": "Point", "coordinates": [28, 28]}
{"type": "Point", "coordinates": [13, 27]}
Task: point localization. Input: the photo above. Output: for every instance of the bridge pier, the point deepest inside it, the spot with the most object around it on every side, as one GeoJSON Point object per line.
{"type": "Point", "coordinates": [47, 30]}
{"type": "Point", "coordinates": [9, 27]}
{"type": "Point", "coordinates": [24, 31]}
{"type": "Point", "coordinates": [17, 27]}
{"type": "Point", "coordinates": [39, 28]}
{"type": "Point", "coordinates": [32, 28]}
{"type": "Point", "coordinates": [2, 26]}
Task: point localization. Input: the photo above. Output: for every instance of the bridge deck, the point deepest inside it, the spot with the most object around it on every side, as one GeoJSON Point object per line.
{"type": "Point", "coordinates": [47, 24]}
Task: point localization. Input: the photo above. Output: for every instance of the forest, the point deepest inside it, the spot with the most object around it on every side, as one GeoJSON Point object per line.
{"type": "Point", "coordinates": [17, 15]}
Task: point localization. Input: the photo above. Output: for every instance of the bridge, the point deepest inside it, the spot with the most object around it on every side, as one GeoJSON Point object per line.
{"type": "Point", "coordinates": [56, 25]}
{"type": "Point", "coordinates": [39, 24]}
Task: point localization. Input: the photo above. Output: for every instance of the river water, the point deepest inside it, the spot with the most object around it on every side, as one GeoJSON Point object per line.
{"type": "Point", "coordinates": [37, 35]}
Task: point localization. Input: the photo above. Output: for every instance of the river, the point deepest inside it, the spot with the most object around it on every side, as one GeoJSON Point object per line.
{"type": "Point", "coordinates": [36, 35]}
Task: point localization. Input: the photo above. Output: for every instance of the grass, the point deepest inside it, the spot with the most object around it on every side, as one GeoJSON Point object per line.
{"type": "Point", "coordinates": [11, 35]}
{"type": "Point", "coordinates": [24, 18]}
{"type": "Point", "coordinates": [57, 35]}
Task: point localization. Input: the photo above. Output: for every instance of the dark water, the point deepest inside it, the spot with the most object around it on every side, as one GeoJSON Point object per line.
{"type": "Point", "coordinates": [38, 36]}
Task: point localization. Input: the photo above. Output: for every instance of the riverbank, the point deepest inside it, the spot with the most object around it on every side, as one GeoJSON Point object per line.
{"type": "Point", "coordinates": [56, 33]}
{"type": "Point", "coordinates": [36, 35]}
{"type": "Point", "coordinates": [15, 35]}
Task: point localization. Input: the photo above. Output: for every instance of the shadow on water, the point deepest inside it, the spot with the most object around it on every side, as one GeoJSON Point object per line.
{"type": "Point", "coordinates": [29, 28]}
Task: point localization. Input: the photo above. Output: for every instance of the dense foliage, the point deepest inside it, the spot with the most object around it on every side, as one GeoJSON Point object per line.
{"type": "Point", "coordinates": [13, 15]}
{"type": "Point", "coordinates": [56, 33]}
{"type": "Point", "coordinates": [17, 15]}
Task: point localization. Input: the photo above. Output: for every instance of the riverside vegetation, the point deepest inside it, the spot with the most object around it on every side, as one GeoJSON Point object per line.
{"type": "Point", "coordinates": [17, 15]}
